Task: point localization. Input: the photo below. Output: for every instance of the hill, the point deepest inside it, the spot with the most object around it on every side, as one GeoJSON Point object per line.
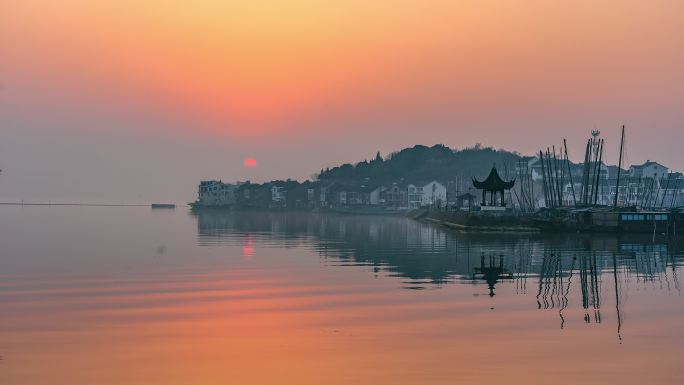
{"type": "Point", "coordinates": [423, 163]}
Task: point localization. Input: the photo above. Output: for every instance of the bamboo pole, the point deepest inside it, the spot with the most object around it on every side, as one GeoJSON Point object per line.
{"type": "Point", "coordinates": [546, 197]}
{"type": "Point", "coordinates": [598, 171]}
{"type": "Point", "coordinates": [567, 161]}
{"type": "Point", "coordinates": [585, 175]}
{"type": "Point", "coordinates": [617, 184]}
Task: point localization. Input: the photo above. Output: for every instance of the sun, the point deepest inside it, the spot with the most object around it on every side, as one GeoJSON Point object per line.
{"type": "Point", "coordinates": [249, 162]}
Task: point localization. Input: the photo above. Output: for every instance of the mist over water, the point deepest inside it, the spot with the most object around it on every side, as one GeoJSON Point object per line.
{"type": "Point", "coordinates": [139, 296]}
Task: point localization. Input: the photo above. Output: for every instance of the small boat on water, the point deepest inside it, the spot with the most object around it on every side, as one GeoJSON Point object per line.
{"type": "Point", "coordinates": [163, 206]}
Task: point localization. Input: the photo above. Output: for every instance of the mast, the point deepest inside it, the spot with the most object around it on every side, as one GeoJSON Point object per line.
{"type": "Point", "coordinates": [555, 178]}
{"type": "Point", "coordinates": [552, 187]}
{"type": "Point", "coordinates": [585, 175]}
{"type": "Point", "coordinates": [562, 174]}
{"type": "Point", "coordinates": [667, 187]}
{"type": "Point", "coordinates": [546, 195]}
{"type": "Point", "coordinates": [598, 171]}
{"type": "Point", "coordinates": [531, 189]}
{"type": "Point", "coordinates": [567, 161]}
{"type": "Point", "coordinates": [617, 184]}
{"type": "Point", "coordinates": [675, 193]}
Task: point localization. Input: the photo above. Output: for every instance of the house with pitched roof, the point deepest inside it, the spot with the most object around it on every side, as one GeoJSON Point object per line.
{"type": "Point", "coordinates": [648, 169]}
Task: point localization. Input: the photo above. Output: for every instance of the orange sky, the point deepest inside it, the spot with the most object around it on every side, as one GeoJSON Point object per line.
{"type": "Point", "coordinates": [269, 74]}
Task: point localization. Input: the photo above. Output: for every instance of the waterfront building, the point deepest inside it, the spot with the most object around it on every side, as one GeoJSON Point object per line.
{"type": "Point", "coordinates": [216, 193]}
{"type": "Point", "coordinates": [396, 196]}
{"type": "Point", "coordinates": [648, 169]}
{"type": "Point", "coordinates": [433, 193]}
{"type": "Point", "coordinates": [414, 196]}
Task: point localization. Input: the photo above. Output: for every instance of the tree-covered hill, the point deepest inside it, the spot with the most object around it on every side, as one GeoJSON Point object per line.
{"type": "Point", "coordinates": [423, 163]}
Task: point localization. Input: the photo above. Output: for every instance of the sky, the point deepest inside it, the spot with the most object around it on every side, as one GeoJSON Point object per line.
{"type": "Point", "coordinates": [137, 101]}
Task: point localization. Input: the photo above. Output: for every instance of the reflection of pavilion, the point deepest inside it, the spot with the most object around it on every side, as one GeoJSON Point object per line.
{"type": "Point", "coordinates": [492, 272]}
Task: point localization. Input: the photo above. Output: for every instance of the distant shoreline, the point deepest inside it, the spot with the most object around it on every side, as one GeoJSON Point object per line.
{"type": "Point", "coordinates": [71, 204]}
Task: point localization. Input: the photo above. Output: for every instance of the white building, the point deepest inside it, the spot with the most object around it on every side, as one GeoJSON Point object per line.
{"type": "Point", "coordinates": [648, 170]}
{"type": "Point", "coordinates": [375, 196]}
{"type": "Point", "coordinates": [433, 193]}
{"type": "Point", "coordinates": [534, 167]}
{"type": "Point", "coordinates": [216, 193]}
{"type": "Point", "coordinates": [323, 197]}
{"type": "Point", "coordinates": [415, 196]}
{"type": "Point", "coordinates": [278, 194]}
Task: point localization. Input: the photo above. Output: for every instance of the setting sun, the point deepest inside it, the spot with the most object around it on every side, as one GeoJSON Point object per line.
{"type": "Point", "coordinates": [249, 162]}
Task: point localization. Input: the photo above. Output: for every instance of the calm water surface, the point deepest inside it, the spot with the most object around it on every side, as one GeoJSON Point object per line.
{"type": "Point", "coordinates": [105, 295]}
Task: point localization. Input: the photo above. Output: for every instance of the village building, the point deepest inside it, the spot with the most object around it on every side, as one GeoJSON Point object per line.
{"type": "Point", "coordinates": [534, 168]}
{"type": "Point", "coordinates": [414, 196]}
{"type": "Point", "coordinates": [434, 194]}
{"type": "Point", "coordinates": [375, 195]}
{"type": "Point", "coordinates": [396, 197]}
{"type": "Point", "coordinates": [216, 193]}
{"type": "Point", "coordinates": [278, 194]}
{"type": "Point", "coordinates": [648, 169]}
{"type": "Point", "coordinates": [465, 201]}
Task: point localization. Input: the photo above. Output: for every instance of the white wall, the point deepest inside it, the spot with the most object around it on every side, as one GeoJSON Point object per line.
{"type": "Point", "coordinates": [434, 192]}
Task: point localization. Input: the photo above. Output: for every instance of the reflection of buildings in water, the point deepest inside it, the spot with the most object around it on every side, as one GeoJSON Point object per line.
{"type": "Point", "coordinates": [425, 237]}
{"type": "Point", "coordinates": [342, 229]}
{"type": "Point", "coordinates": [564, 266]}
{"type": "Point", "coordinates": [374, 232]}
{"type": "Point", "coordinates": [276, 225]}
{"type": "Point", "coordinates": [415, 249]}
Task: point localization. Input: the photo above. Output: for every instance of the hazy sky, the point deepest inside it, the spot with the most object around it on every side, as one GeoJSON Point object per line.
{"type": "Point", "coordinates": [136, 101]}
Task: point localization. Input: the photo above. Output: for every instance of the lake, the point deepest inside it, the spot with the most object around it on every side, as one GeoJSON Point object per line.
{"type": "Point", "coordinates": [131, 295]}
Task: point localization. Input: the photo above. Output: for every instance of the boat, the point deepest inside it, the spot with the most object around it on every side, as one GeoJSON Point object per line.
{"type": "Point", "coordinates": [163, 206]}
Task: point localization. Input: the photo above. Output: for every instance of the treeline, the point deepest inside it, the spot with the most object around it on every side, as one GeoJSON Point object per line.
{"type": "Point", "coordinates": [420, 162]}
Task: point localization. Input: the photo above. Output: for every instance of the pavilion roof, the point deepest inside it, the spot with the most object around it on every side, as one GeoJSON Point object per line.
{"type": "Point", "coordinates": [493, 182]}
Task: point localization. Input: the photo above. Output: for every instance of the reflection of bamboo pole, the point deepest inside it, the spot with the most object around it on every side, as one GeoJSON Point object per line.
{"type": "Point", "coordinates": [565, 294]}
{"type": "Point", "coordinates": [617, 299]}
{"type": "Point", "coordinates": [595, 284]}
{"type": "Point", "coordinates": [583, 286]}
{"type": "Point", "coordinates": [541, 280]}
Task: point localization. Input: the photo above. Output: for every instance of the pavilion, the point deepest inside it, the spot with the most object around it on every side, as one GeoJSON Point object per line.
{"type": "Point", "coordinates": [493, 185]}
